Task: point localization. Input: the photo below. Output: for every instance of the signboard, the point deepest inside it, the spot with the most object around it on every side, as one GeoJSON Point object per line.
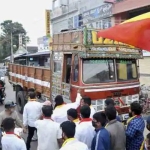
{"type": "Point", "coordinates": [100, 12]}
{"type": "Point", "coordinates": [101, 24]}
{"type": "Point", "coordinates": [20, 39]}
{"type": "Point", "coordinates": [43, 43]}
{"type": "Point", "coordinates": [115, 49]}
{"type": "Point", "coordinates": [47, 20]}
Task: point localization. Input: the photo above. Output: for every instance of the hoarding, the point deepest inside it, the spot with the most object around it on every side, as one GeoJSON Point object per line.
{"type": "Point", "coordinates": [47, 22]}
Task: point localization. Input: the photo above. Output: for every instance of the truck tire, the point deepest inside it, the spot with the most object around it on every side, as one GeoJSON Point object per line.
{"type": "Point", "coordinates": [20, 101]}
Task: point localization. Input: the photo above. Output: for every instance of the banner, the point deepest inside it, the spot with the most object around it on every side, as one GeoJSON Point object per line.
{"type": "Point", "coordinates": [101, 12]}
{"type": "Point", "coordinates": [47, 20]}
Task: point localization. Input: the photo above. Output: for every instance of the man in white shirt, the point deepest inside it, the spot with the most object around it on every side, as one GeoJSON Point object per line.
{"type": "Point", "coordinates": [70, 143]}
{"type": "Point", "coordinates": [73, 116]}
{"type": "Point", "coordinates": [11, 141]}
{"type": "Point", "coordinates": [85, 131]}
{"type": "Point", "coordinates": [60, 112]}
{"type": "Point", "coordinates": [87, 101]}
{"type": "Point", "coordinates": [31, 113]}
{"type": "Point", "coordinates": [49, 132]}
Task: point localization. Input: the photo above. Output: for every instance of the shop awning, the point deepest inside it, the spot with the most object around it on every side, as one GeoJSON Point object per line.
{"type": "Point", "coordinates": [15, 56]}
{"type": "Point", "coordinates": [38, 53]}
{"type": "Point", "coordinates": [135, 32]}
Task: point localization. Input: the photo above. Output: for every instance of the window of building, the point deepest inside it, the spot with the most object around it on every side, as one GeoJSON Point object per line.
{"type": "Point", "coordinates": [57, 66]}
{"type": "Point", "coordinates": [76, 68]}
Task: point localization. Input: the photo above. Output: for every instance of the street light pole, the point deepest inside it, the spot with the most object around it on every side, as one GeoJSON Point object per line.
{"type": "Point", "coordinates": [12, 54]}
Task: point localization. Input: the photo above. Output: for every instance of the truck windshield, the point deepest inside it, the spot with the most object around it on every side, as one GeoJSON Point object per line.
{"type": "Point", "coordinates": [98, 70]}
{"type": "Point", "coordinates": [126, 70]}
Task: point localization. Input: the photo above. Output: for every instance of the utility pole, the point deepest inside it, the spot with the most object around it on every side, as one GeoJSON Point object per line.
{"type": "Point", "coordinates": [12, 54]}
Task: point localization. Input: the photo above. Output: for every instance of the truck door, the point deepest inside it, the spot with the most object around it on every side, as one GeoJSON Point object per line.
{"type": "Point", "coordinates": [66, 72]}
{"type": "Point", "coordinates": [75, 81]}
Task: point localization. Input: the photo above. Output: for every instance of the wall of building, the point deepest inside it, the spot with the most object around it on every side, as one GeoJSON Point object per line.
{"type": "Point", "coordinates": [95, 14]}
{"type": "Point", "coordinates": [144, 65]}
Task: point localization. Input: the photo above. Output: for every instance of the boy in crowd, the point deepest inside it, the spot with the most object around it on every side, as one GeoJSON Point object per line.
{"type": "Point", "coordinates": [85, 130]}
{"type": "Point", "coordinates": [31, 113]}
{"type": "Point", "coordinates": [135, 128]}
{"type": "Point", "coordinates": [11, 141]}
{"type": "Point", "coordinates": [101, 140]}
{"type": "Point", "coordinates": [110, 102]}
{"type": "Point", "coordinates": [70, 143]}
{"type": "Point", "coordinates": [48, 131]}
{"type": "Point", "coordinates": [73, 115]}
{"type": "Point", "coordinates": [116, 130]}
{"type": "Point", "coordinates": [87, 101]}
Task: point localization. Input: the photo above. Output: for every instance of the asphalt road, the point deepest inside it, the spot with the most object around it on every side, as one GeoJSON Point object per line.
{"type": "Point", "coordinates": [10, 95]}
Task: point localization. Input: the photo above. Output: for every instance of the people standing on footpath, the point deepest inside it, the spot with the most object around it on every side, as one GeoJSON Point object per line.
{"type": "Point", "coordinates": [116, 129]}
{"type": "Point", "coordinates": [11, 141]}
{"type": "Point", "coordinates": [84, 130]}
{"type": "Point", "coordinates": [135, 128]}
{"type": "Point", "coordinates": [60, 111]}
{"type": "Point", "coordinates": [87, 101]}
{"type": "Point", "coordinates": [101, 140]}
{"type": "Point", "coordinates": [48, 131]}
{"type": "Point", "coordinates": [73, 116]}
{"type": "Point", "coordinates": [31, 113]}
{"type": "Point", "coordinates": [71, 143]}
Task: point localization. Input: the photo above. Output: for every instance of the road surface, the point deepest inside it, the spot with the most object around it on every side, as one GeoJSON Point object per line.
{"type": "Point", "coordinates": [10, 95]}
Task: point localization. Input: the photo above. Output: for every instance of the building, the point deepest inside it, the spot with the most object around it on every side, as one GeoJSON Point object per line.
{"type": "Point", "coordinates": [126, 9]}
{"type": "Point", "coordinates": [69, 14]}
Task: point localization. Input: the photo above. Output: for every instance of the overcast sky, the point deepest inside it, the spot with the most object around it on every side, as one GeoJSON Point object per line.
{"type": "Point", "coordinates": [31, 13]}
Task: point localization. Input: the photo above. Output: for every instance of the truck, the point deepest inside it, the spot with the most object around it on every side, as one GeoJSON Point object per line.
{"type": "Point", "coordinates": [100, 68]}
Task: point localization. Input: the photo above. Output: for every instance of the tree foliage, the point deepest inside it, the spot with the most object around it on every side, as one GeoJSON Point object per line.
{"type": "Point", "coordinates": [8, 27]}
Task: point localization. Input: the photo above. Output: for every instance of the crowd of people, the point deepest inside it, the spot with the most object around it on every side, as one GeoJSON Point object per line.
{"type": "Point", "coordinates": [61, 128]}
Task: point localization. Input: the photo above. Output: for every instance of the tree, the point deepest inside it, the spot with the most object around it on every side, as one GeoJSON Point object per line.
{"type": "Point", "coordinates": [9, 27]}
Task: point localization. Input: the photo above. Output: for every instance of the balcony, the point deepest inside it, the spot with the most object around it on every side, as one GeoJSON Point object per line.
{"type": "Point", "coordinates": [64, 10]}
{"type": "Point", "coordinates": [127, 5]}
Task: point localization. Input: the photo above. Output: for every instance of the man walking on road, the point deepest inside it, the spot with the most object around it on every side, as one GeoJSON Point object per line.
{"type": "Point", "coordinates": [31, 113]}
{"type": "Point", "coordinates": [48, 131]}
{"type": "Point", "coordinates": [10, 112]}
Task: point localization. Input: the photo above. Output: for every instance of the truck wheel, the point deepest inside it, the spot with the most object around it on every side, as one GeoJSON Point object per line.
{"type": "Point", "coordinates": [20, 101]}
